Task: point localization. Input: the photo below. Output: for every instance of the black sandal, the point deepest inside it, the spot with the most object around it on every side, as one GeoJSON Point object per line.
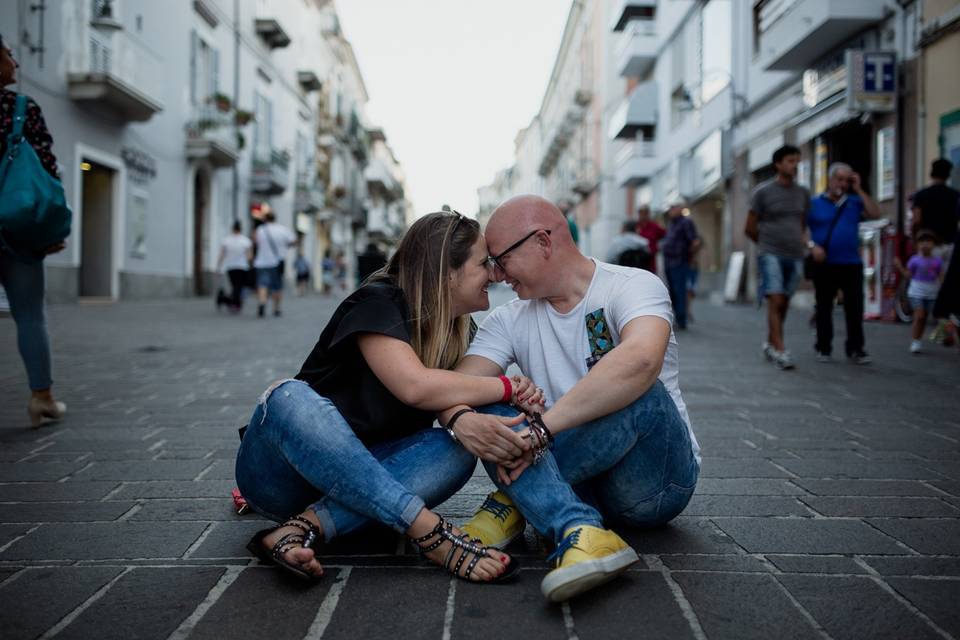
{"type": "Point", "coordinates": [306, 539]}
{"type": "Point", "coordinates": [444, 533]}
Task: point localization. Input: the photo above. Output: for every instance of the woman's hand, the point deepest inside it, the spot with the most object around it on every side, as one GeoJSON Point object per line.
{"type": "Point", "coordinates": [509, 472]}
{"type": "Point", "coordinates": [527, 396]}
{"type": "Point", "coordinates": [490, 437]}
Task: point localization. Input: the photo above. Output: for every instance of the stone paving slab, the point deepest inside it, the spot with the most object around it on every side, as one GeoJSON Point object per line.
{"type": "Point", "coordinates": [53, 592]}
{"type": "Point", "coordinates": [744, 606]}
{"type": "Point", "coordinates": [889, 617]}
{"type": "Point", "coordinates": [248, 607]}
{"type": "Point", "coordinates": [805, 535]}
{"type": "Point", "coordinates": [131, 607]}
{"type": "Point", "coordinates": [828, 506]}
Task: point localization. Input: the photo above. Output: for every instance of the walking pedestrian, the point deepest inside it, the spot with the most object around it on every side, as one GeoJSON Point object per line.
{"type": "Point", "coordinates": [236, 252]}
{"type": "Point", "coordinates": [834, 220]}
{"type": "Point", "coordinates": [628, 249]}
{"type": "Point", "coordinates": [350, 442]}
{"type": "Point", "coordinates": [925, 271]}
{"type": "Point", "coordinates": [777, 222]}
{"type": "Point", "coordinates": [948, 299]}
{"type": "Point", "coordinates": [301, 266]}
{"type": "Point", "coordinates": [680, 244]}
{"type": "Point", "coordinates": [936, 208]}
{"type": "Point", "coordinates": [22, 276]}
{"type": "Point", "coordinates": [652, 231]}
{"type": "Point", "coordinates": [272, 240]}
{"type": "Point", "coordinates": [370, 261]}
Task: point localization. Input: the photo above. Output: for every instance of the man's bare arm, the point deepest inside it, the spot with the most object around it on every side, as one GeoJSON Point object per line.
{"type": "Point", "coordinates": [621, 376]}
{"type": "Point", "coordinates": [751, 230]}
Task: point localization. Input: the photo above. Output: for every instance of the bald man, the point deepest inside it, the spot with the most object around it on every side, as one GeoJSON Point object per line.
{"type": "Point", "coordinates": [598, 338]}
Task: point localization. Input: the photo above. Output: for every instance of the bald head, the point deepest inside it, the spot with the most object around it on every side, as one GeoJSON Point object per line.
{"type": "Point", "coordinates": [520, 215]}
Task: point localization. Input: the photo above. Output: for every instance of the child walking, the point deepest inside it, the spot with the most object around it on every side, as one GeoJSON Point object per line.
{"type": "Point", "coordinates": [925, 271]}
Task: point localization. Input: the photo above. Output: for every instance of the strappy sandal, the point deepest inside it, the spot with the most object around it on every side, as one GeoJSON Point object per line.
{"type": "Point", "coordinates": [290, 541]}
{"type": "Point", "coordinates": [443, 532]}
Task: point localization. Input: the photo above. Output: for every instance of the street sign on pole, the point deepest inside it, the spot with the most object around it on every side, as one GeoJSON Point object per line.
{"type": "Point", "coordinates": [871, 80]}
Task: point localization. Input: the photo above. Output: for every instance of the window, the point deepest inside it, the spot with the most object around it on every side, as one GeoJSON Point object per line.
{"type": "Point", "coordinates": [716, 60]}
{"type": "Point", "coordinates": [263, 126]}
{"type": "Point", "coordinates": [204, 71]}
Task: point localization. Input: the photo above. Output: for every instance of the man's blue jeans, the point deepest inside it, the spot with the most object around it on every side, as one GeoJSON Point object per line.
{"type": "Point", "coordinates": [298, 452]}
{"type": "Point", "coordinates": [24, 284]}
{"type": "Point", "coordinates": [634, 466]}
{"type": "Point", "coordinates": [677, 278]}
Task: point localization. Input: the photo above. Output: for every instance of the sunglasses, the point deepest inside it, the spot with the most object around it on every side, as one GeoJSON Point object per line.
{"type": "Point", "coordinates": [494, 262]}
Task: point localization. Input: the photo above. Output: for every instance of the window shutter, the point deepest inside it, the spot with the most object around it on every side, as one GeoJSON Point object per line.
{"type": "Point", "coordinates": [214, 71]}
{"type": "Point", "coordinates": [193, 67]}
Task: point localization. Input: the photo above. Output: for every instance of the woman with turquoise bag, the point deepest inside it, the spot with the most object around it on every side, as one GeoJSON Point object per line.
{"type": "Point", "coordinates": [23, 279]}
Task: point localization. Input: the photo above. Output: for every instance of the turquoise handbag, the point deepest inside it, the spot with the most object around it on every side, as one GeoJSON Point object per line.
{"type": "Point", "coordinates": [33, 208]}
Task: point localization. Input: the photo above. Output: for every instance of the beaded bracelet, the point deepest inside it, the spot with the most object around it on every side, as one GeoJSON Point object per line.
{"type": "Point", "coordinates": [540, 436]}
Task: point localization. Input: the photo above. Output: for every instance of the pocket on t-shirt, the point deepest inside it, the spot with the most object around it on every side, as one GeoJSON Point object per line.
{"type": "Point", "coordinates": [598, 336]}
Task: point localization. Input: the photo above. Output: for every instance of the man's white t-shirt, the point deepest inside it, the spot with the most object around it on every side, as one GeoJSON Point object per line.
{"type": "Point", "coordinates": [235, 247]}
{"type": "Point", "coordinates": [556, 349]}
{"type": "Point", "coordinates": [269, 256]}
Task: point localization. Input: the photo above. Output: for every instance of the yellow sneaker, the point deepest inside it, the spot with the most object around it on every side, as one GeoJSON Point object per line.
{"type": "Point", "coordinates": [587, 557]}
{"type": "Point", "coordinates": [497, 522]}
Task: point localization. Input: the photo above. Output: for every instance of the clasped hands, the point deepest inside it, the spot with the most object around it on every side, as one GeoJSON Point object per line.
{"type": "Point", "coordinates": [492, 438]}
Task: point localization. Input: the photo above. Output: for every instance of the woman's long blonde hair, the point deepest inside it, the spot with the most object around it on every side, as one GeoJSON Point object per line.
{"type": "Point", "coordinates": [431, 250]}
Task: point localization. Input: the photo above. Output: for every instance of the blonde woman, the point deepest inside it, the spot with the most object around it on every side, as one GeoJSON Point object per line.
{"type": "Point", "coordinates": [349, 440]}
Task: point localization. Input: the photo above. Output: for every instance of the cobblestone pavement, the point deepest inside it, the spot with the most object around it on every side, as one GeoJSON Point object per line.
{"type": "Point", "coordinates": [829, 503]}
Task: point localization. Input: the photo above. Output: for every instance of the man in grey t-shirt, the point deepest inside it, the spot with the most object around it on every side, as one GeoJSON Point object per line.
{"type": "Point", "coordinates": [777, 223]}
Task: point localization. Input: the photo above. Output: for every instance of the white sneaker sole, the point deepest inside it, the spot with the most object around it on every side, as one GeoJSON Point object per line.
{"type": "Point", "coordinates": [563, 584]}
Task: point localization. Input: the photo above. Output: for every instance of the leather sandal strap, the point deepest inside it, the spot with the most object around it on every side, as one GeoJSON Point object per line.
{"type": "Point", "coordinates": [437, 530]}
{"type": "Point", "coordinates": [449, 558]}
{"type": "Point", "coordinates": [301, 523]}
{"type": "Point", "coordinates": [284, 544]}
{"type": "Point", "coordinates": [471, 566]}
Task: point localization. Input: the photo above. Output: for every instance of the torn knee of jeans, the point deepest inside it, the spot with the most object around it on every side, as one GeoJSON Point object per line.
{"type": "Point", "coordinates": [265, 396]}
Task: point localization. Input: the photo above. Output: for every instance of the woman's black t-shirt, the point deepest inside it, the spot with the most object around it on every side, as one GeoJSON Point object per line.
{"type": "Point", "coordinates": [336, 369]}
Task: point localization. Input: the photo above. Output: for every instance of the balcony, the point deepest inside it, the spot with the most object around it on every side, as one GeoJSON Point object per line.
{"type": "Point", "coordinates": [270, 172]}
{"type": "Point", "coordinates": [638, 112]}
{"type": "Point", "coordinates": [272, 33]}
{"type": "Point", "coordinates": [795, 33]}
{"type": "Point", "coordinates": [636, 163]}
{"type": "Point", "coordinates": [108, 68]}
{"type": "Point", "coordinates": [638, 50]}
{"type": "Point", "coordinates": [309, 81]}
{"type": "Point", "coordinates": [309, 197]}
{"type": "Point", "coordinates": [628, 10]}
{"type": "Point", "coordinates": [211, 137]}
{"type": "Point", "coordinates": [564, 130]}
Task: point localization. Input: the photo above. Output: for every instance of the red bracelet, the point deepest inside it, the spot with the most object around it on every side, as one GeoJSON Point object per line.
{"type": "Point", "coordinates": [507, 389]}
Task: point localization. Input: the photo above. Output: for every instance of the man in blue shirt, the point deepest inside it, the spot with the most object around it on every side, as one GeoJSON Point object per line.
{"type": "Point", "coordinates": [834, 221]}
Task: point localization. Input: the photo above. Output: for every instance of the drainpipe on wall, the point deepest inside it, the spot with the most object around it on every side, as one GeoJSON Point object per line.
{"type": "Point", "coordinates": [236, 101]}
{"type": "Point", "coordinates": [921, 98]}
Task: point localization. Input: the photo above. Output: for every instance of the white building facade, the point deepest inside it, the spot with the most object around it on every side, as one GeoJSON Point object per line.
{"type": "Point", "coordinates": [172, 120]}
{"type": "Point", "coordinates": [693, 97]}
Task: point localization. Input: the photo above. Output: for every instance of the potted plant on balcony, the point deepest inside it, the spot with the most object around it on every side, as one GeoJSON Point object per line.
{"type": "Point", "coordinates": [242, 117]}
{"type": "Point", "coordinates": [221, 101]}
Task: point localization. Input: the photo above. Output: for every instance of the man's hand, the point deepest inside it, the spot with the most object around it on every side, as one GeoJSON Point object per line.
{"type": "Point", "coordinates": [491, 438]}
{"type": "Point", "coordinates": [855, 183]}
{"type": "Point", "coordinates": [507, 474]}
{"type": "Point", "coordinates": [818, 253]}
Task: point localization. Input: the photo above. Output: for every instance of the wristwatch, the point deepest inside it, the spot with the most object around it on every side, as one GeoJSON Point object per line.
{"type": "Point", "coordinates": [811, 244]}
